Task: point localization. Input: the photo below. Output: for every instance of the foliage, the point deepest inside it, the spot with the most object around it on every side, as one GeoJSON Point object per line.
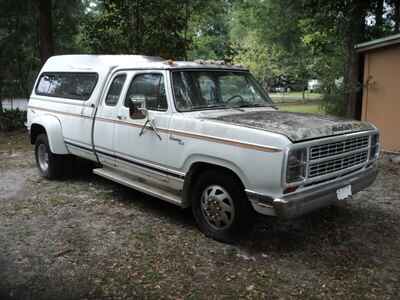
{"type": "Point", "coordinates": [333, 102]}
{"type": "Point", "coordinates": [12, 119]}
{"type": "Point", "coordinates": [208, 31]}
{"type": "Point", "coordinates": [279, 40]}
{"type": "Point", "coordinates": [67, 15]}
{"type": "Point", "coordinates": [138, 27]}
{"type": "Point", "coordinates": [268, 38]}
{"type": "Point", "coordinates": [301, 40]}
{"type": "Point", "coordinates": [19, 52]}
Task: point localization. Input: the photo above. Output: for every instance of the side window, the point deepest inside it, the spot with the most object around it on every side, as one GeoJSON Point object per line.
{"type": "Point", "coordinates": [115, 90]}
{"type": "Point", "coordinates": [146, 91]}
{"type": "Point", "coordinates": [77, 86]}
{"type": "Point", "coordinates": [44, 84]}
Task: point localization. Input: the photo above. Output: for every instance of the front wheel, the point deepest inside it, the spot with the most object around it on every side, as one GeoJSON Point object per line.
{"type": "Point", "coordinates": [220, 206]}
{"type": "Point", "coordinates": [50, 165]}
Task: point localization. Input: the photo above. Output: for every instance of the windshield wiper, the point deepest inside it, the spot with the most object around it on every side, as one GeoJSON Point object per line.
{"type": "Point", "coordinates": [248, 105]}
{"type": "Point", "coordinates": [209, 106]}
{"type": "Point", "coordinates": [243, 105]}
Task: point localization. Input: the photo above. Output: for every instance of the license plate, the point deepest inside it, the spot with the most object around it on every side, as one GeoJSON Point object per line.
{"type": "Point", "coordinates": [344, 192]}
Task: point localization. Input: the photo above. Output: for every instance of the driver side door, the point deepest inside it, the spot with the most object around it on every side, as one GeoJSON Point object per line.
{"type": "Point", "coordinates": [141, 148]}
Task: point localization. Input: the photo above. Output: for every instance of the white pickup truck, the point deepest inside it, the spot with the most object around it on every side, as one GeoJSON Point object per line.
{"type": "Point", "coordinates": [196, 134]}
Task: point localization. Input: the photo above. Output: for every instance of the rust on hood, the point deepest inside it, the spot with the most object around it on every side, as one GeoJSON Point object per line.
{"type": "Point", "coordinates": [296, 126]}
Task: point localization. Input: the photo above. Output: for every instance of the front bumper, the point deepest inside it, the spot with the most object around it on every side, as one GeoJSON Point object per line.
{"type": "Point", "coordinates": [297, 204]}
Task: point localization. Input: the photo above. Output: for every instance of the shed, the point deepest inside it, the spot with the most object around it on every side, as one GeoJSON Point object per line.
{"type": "Point", "coordinates": [381, 88]}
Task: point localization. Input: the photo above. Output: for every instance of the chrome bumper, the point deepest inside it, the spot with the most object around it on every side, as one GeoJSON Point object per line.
{"type": "Point", "coordinates": [298, 204]}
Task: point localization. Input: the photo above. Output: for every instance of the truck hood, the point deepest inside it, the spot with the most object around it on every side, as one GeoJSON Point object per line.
{"type": "Point", "coordinates": [296, 126]}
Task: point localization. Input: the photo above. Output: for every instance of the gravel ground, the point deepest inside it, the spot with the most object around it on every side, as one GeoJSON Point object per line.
{"type": "Point", "coordinates": [88, 238]}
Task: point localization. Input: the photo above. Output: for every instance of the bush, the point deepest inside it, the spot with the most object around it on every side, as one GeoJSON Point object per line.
{"type": "Point", "coordinates": [333, 100]}
{"type": "Point", "coordinates": [333, 104]}
{"type": "Point", "coordinates": [12, 119]}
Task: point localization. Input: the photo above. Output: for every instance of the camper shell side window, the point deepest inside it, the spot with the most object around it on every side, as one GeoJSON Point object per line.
{"type": "Point", "coordinates": [75, 86]}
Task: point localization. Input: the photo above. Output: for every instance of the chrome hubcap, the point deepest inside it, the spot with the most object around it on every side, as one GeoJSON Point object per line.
{"type": "Point", "coordinates": [43, 157]}
{"type": "Point", "coordinates": [217, 207]}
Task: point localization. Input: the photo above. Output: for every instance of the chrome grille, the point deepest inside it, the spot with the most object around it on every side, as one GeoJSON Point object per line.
{"type": "Point", "coordinates": [340, 147]}
{"type": "Point", "coordinates": [337, 164]}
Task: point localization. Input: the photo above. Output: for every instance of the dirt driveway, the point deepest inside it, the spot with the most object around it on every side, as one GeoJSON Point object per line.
{"type": "Point", "coordinates": [87, 238]}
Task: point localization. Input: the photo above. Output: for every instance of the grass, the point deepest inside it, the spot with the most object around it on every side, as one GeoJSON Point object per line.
{"type": "Point", "coordinates": [294, 96]}
{"type": "Point", "coordinates": [303, 108]}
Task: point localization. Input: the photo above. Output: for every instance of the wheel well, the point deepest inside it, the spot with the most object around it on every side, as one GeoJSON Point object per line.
{"type": "Point", "coordinates": [196, 169]}
{"type": "Point", "coordinates": [36, 129]}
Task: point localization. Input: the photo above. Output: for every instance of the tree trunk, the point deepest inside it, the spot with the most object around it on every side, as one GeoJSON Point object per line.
{"type": "Point", "coordinates": [1, 96]}
{"type": "Point", "coordinates": [46, 45]}
{"type": "Point", "coordinates": [187, 18]}
{"type": "Point", "coordinates": [354, 34]}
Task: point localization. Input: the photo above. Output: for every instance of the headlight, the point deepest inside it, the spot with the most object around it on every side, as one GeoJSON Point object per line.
{"type": "Point", "coordinates": [296, 165]}
{"type": "Point", "coordinates": [374, 146]}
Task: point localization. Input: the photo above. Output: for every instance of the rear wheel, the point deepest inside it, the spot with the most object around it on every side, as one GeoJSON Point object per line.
{"type": "Point", "coordinates": [50, 165]}
{"type": "Point", "coordinates": [220, 206]}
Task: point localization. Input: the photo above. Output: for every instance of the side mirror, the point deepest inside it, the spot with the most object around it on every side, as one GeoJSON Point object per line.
{"type": "Point", "coordinates": [145, 112]}
{"type": "Point", "coordinates": [137, 107]}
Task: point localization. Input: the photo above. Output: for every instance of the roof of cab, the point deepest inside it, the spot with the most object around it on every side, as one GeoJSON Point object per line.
{"type": "Point", "coordinates": [91, 63]}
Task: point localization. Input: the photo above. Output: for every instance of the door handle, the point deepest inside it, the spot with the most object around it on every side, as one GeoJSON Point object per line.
{"type": "Point", "coordinates": [173, 138]}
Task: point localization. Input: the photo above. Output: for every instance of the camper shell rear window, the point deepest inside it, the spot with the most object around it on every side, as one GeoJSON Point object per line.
{"type": "Point", "coordinates": [76, 86]}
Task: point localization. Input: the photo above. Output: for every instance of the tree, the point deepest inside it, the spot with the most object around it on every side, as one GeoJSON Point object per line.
{"type": "Point", "coordinates": [21, 51]}
{"type": "Point", "coordinates": [395, 14]}
{"type": "Point", "coordinates": [333, 28]}
{"type": "Point", "coordinates": [276, 39]}
{"type": "Point", "coordinates": [269, 39]}
{"type": "Point", "coordinates": [208, 30]}
{"type": "Point", "coordinates": [137, 27]}
{"type": "Point", "coordinates": [46, 44]}
{"type": "Point", "coordinates": [18, 48]}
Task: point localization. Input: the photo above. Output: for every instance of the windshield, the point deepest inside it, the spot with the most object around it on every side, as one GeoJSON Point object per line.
{"type": "Point", "coordinates": [198, 90]}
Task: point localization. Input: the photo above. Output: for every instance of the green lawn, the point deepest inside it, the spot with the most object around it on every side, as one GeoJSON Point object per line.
{"type": "Point", "coordinates": [294, 96]}
{"type": "Point", "coordinates": [304, 108]}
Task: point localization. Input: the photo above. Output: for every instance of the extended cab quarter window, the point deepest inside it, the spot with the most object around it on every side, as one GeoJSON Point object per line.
{"type": "Point", "coordinates": [147, 91]}
{"type": "Point", "coordinates": [115, 90]}
{"type": "Point", "coordinates": [77, 86]}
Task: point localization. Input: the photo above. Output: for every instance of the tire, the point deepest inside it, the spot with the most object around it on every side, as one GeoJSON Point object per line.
{"type": "Point", "coordinates": [50, 165]}
{"type": "Point", "coordinates": [220, 206]}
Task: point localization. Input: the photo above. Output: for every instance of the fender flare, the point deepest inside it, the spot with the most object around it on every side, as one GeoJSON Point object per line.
{"type": "Point", "coordinates": [217, 162]}
{"type": "Point", "coordinates": [201, 158]}
{"type": "Point", "coordinates": [54, 133]}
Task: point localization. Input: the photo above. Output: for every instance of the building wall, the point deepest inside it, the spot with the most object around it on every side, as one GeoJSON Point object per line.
{"type": "Point", "coordinates": [381, 95]}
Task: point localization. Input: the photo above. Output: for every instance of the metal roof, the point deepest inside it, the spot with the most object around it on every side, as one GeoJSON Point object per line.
{"type": "Point", "coordinates": [379, 43]}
